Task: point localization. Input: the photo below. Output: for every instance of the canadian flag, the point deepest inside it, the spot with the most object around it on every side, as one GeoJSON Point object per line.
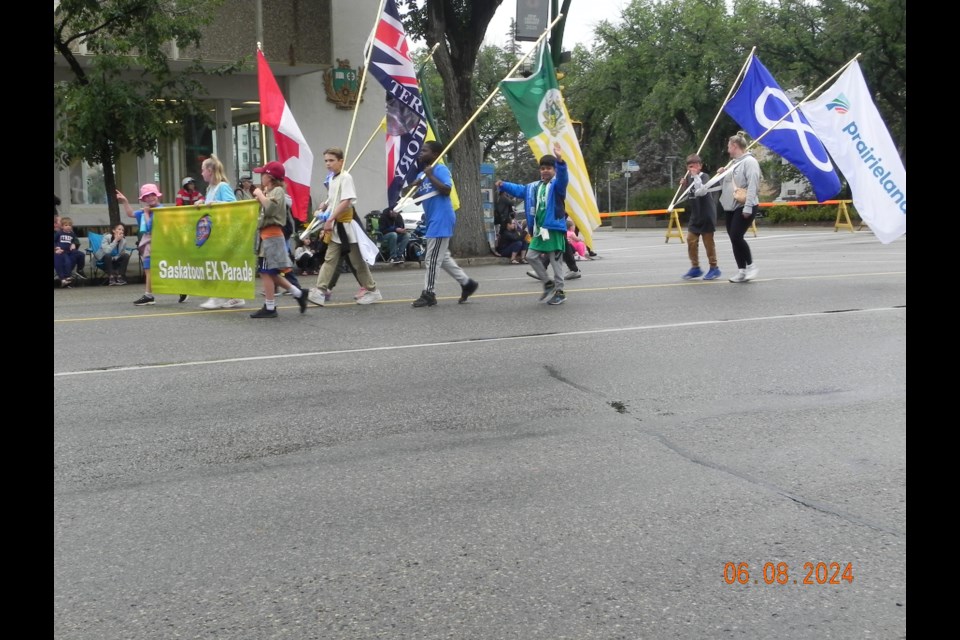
{"type": "Point", "coordinates": [292, 148]}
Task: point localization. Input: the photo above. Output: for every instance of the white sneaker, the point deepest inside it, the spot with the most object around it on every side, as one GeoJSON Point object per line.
{"type": "Point", "coordinates": [316, 297]}
{"type": "Point", "coordinates": [740, 277]}
{"type": "Point", "coordinates": [752, 271]}
{"type": "Point", "coordinates": [370, 297]}
{"type": "Point", "coordinates": [233, 303]}
{"type": "Point", "coordinates": [213, 303]}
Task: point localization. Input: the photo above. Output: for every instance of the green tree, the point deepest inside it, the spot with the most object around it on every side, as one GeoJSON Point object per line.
{"type": "Point", "coordinates": [124, 97]}
{"type": "Point", "coordinates": [656, 79]}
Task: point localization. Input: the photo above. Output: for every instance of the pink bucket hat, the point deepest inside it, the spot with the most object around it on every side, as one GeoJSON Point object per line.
{"type": "Point", "coordinates": [147, 189]}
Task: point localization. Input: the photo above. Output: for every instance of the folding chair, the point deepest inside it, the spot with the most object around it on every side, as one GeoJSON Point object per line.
{"type": "Point", "coordinates": [373, 230]}
{"type": "Point", "coordinates": [94, 240]}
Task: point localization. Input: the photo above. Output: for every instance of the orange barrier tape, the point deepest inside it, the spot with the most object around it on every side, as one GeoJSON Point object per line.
{"type": "Point", "coordinates": [660, 212]}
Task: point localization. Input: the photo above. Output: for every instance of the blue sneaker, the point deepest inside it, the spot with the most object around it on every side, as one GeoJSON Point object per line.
{"type": "Point", "coordinates": [713, 274]}
{"type": "Point", "coordinates": [695, 272]}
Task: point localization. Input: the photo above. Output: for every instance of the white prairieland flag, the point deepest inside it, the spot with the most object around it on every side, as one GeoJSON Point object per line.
{"type": "Point", "coordinates": [542, 115]}
{"type": "Point", "coordinates": [850, 127]}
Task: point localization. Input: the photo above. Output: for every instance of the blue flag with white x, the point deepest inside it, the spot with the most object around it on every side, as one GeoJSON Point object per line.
{"type": "Point", "coordinates": [758, 104]}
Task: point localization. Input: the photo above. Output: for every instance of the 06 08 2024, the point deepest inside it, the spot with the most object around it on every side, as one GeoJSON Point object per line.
{"type": "Point", "coordinates": [781, 573]}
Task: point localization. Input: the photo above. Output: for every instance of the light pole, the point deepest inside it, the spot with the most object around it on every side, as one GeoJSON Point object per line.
{"type": "Point", "coordinates": [670, 160]}
{"type": "Point", "coordinates": [609, 202]}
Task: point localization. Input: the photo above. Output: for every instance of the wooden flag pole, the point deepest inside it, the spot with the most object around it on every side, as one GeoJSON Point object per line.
{"type": "Point", "coordinates": [677, 196]}
{"type": "Point", "coordinates": [363, 78]}
{"type": "Point", "coordinates": [382, 125]}
{"type": "Point", "coordinates": [809, 96]}
{"type": "Point", "coordinates": [356, 109]}
{"type": "Point", "coordinates": [406, 196]}
{"type": "Point", "coordinates": [734, 161]}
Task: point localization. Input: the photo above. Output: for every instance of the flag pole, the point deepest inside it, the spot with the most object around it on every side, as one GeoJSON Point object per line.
{"type": "Point", "coordinates": [809, 96]}
{"type": "Point", "coordinates": [734, 161]}
{"type": "Point", "coordinates": [363, 78]}
{"type": "Point", "coordinates": [356, 109]}
{"type": "Point", "coordinates": [263, 129]}
{"type": "Point", "coordinates": [677, 196]}
{"type": "Point", "coordinates": [401, 202]}
{"type": "Point", "coordinates": [381, 125]}
{"type": "Point", "coordinates": [373, 135]}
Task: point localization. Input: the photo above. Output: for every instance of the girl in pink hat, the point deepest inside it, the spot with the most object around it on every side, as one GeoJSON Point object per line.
{"type": "Point", "coordinates": [150, 197]}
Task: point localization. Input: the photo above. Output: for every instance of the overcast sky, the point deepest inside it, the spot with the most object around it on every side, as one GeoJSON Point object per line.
{"type": "Point", "coordinates": [584, 16]}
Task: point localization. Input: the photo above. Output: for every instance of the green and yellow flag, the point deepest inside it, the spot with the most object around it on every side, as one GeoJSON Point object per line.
{"type": "Point", "coordinates": [542, 115]}
{"type": "Point", "coordinates": [205, 249]}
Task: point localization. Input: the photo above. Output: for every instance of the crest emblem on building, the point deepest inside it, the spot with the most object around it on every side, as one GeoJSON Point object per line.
{"type": "Point", "coordinates": [342, 84]}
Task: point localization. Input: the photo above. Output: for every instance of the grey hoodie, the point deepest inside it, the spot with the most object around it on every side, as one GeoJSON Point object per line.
{"type": "Point", "coordinates": [746, 173]}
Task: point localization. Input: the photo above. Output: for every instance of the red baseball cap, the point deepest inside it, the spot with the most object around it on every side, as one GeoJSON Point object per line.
{"type": "Point", "coordinates": [274, 169]}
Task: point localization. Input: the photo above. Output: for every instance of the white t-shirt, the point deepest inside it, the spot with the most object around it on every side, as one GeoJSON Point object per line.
{"type": "Point", "coordinates": [341, 188]}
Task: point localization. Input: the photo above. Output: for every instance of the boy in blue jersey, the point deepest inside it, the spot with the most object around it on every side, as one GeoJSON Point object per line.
{"type": "Point", "coordinates": [435, 183]}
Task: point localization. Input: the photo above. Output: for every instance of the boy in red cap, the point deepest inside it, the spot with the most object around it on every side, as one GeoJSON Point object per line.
{"type": "Point", "coordinates": [273, 257]}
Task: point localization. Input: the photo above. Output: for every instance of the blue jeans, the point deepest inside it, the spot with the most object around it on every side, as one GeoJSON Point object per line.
{"type": "Point", "coordinates": [397, 243]}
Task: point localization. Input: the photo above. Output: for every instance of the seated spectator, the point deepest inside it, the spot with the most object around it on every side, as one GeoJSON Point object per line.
{"type": "Point", "coordinates": [245, 187]}
{"type": "Point", "coordinates": [66, 254]}
{"type": "Point", "coordinates": [306, 258]}
{"type": "Point", "coordinates": [394, 234]}
{"type": "Point", "coordinates": [188, 193]}
{"type": "Point", "coordinates": [511, 244]}
{"type": "Point", "coordinates": [574, 240]}
{"type": "Point", "coordinates": [114, 255]}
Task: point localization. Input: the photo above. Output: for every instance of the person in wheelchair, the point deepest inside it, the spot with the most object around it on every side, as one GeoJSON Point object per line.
{"type": "Point", "coordinates": [394, 235]}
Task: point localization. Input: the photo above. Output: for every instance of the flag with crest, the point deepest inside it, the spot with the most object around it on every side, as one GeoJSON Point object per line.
{"type": "Point", "coordinates": [542, 115]}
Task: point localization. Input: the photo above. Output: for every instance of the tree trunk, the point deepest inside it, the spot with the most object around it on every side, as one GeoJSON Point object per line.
{"type": "Point", "coordinates": [455, 62]}
{"type": "Point", "coordinates": [110, 184]}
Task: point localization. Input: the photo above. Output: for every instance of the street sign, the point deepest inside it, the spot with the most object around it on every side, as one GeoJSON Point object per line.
{"type": "Point", "coordinates": [630, 166]}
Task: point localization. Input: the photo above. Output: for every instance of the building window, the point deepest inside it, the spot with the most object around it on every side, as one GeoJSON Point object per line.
{"type": "Point", "coordinates": [86, 184]}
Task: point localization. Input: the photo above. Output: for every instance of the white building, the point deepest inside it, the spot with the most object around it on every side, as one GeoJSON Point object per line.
{"type": "Point", "coordinates": [301, 41]}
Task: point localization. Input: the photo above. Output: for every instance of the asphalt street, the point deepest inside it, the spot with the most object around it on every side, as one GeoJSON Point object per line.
{"type": "Point", "coordinates": [655, 458]}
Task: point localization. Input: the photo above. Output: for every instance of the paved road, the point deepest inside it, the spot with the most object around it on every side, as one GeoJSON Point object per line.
{"type": "Point", "coordinates": [499, 469]}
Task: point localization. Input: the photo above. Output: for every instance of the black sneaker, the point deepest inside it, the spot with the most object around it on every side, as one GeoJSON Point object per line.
{"type": "Point", "coordinates": [183, 297]}
{"type": "Point", "coordinates": [591, 253]}
{"type": "Point", "coordinates": [144, 300]}
{"type": "Point", "coordinates": [467, 290]}
{"type": "Point", "coordinates": [302, 301]}
{"type": "Point", "coordinates": [264, 313]}
{"type": "Point", "coordinates": [557, 298]}
{"type": "Point", "coordinates": [533, 274]}
{"type": "Point", "coordinates": [547, 290]}
{"type": "Point", "coordinates": [426, 299]}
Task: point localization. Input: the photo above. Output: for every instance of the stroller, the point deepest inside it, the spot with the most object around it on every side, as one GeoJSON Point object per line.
{"type": "Point", "coordinates": [417, 247]}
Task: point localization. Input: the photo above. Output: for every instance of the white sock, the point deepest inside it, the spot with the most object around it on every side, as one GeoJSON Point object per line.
{"type": "Point", "coordinates": [296, 292]}
{"type": "Point", "coordinates": [270, 304]}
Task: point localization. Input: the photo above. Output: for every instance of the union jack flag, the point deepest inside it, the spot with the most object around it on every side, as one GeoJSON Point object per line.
{"type": "Point", "coordinates": [406, 119]}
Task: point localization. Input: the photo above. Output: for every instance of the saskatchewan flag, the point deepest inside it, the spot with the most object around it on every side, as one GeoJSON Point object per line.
{"type": "Point", "coordinates": [542, 115]}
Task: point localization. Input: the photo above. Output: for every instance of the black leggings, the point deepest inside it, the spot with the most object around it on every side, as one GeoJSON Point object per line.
{"type": "Point", "coordinates": [568, 258]}
{"type": "Point", "coordinates": [737, 227]}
